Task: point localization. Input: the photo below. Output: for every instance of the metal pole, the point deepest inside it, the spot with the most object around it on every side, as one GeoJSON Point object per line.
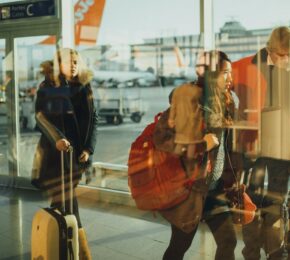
{"type": "Point", "coordinates": [67, 24]}
{"type": "Point", "coordinates": [206, 24]}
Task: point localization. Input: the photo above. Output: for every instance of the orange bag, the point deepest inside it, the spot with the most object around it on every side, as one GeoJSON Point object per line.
{"type": "Point", "coordinates": [243, 210]}
{"type": "Point", "coordinates": [244, 213]}
{"type": "Point", "coordinates": [156, 179]}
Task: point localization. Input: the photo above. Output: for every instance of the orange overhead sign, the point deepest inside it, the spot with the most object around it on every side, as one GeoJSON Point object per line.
{"type": "Point", "coordinates": [88, 17]}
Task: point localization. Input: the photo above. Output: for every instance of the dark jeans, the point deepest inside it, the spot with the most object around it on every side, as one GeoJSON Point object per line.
{"type": "Point", "coordinates": [222, 229]}
{"type": "Point", "coordinates": [262, 233]}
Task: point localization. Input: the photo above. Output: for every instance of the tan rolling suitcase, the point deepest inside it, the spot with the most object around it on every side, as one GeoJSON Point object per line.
{"type": "Point", "coordinates": [54, 234]}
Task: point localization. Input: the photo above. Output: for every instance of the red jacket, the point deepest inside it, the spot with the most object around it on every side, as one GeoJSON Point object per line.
{"type": "Point", "coordinates": [246, 80]}
{"type": "Point", "coordinates": [250, 85]}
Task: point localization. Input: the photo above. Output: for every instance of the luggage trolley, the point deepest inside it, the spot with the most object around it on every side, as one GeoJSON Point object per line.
{"type": "Point", "coordinates": [116, 103]}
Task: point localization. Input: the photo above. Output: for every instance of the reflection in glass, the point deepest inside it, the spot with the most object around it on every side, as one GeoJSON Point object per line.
{"type": "Point", "coordinates": [30, 52]}
{"type": "Point", "coordinates": [9, 1]}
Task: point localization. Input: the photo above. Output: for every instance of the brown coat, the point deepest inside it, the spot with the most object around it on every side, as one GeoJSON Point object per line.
{"type": "Point", "coordinates": [187, 214]}
{"type": "Point", "coordinates": [164, 136]}
{"type": "Point", "coordinates": [186, 115]}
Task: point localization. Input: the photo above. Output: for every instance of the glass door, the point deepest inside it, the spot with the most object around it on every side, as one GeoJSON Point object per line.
{"type": "Point", "coordinates": [4, 81]}
{"type": "Point", "coordinates": [29, 54]}
{"type": "Point", "coordinates": [25, 43]}
{"type": "Point", "coordinates": [20, 59]}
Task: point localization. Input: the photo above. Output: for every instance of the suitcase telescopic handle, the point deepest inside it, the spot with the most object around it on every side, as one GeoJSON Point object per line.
{"type": "Point", "coordinates": [70, 151]}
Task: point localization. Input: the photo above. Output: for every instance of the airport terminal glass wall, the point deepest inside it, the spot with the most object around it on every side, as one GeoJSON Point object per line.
{"type": "Point", "coordinates": [142, 50]}
{"type": "Point", "coordinates": [139, 51]}
{"type": "Point", "coordinates": [136, 63]}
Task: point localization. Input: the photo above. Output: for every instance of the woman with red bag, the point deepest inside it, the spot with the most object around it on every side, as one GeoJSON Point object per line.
{"type": "Point", "coordinates": [198, 117]}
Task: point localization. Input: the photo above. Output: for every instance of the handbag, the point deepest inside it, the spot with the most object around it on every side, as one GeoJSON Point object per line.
{"type": "Point", "coordinates": [243, 209]}
{"type": "Point", "coordinates": [244, 212]}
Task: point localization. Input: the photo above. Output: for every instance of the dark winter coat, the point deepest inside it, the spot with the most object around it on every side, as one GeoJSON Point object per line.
{"type": "Point", "coordinates": [63, 112]}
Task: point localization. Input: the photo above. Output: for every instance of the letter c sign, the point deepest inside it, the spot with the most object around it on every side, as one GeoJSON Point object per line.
{"type": "Point", "coordinates": [28, 10]}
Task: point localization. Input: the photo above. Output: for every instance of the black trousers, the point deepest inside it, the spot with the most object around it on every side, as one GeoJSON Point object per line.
{"type": "Point", "coordinates": [222, 229]}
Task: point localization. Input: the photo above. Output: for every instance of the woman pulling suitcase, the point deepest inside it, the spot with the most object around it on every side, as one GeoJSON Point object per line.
{"type": "Point", "coordinates": [66, 116]}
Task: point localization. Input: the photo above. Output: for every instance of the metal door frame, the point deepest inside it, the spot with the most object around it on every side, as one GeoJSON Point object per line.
{"type": "Point", "coordinates": [10, 30]}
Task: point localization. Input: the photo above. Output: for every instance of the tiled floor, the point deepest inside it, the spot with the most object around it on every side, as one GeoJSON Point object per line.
{"type": "Point", "coordinates": [114, 232]}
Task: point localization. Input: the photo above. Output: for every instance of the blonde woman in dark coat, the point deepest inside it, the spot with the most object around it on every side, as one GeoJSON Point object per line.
{"type": "Point", "coordinates": [66, 116]}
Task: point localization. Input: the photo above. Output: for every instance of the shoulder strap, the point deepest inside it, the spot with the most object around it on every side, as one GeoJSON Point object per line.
{"type": "Point", "coordinates": [156, 118]}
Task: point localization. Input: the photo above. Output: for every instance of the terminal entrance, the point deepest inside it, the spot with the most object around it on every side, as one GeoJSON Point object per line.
{"type": "Point", "coordinates": [24, 46]}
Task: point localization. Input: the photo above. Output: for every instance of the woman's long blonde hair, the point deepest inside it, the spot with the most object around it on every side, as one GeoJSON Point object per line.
{"type": "Point", "coordinates": [84, 74]}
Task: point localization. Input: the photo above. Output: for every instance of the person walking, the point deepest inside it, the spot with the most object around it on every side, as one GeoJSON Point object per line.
{"type": "Point", "coordinates": [208, 104]}
{"type": "Point", "coordinates": [262, 82]}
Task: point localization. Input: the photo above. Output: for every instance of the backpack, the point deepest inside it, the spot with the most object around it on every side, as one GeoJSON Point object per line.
{"type": "Point", "coordinates": [157, 179]}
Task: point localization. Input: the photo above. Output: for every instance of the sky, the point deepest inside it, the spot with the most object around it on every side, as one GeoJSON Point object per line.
{"type": "Point", "coordinates": [133, 20]}
{"type": "Point", "coordinates": [128, 21]}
